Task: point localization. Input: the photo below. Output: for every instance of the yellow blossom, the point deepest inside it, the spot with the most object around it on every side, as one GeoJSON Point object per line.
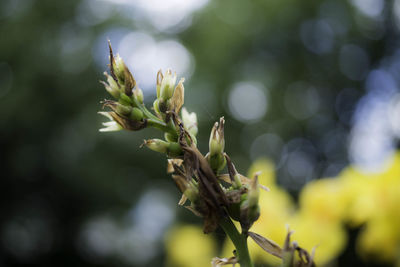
{"type": "Point", "coordinates": [329, 238]}
{"type": "Point", "coordinates": [188, 246]}
{"type": "Point", "coordinates": [379, 240]}
{"type": "Point", "coordinates": [323, 200]}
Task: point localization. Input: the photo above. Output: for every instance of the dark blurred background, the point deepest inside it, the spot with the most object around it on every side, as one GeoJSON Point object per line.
{"type": "Point", "coordinates": [313, 85]}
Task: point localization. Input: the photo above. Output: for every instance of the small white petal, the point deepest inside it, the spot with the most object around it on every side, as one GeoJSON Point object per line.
{"type": "Point", "coordinates": [112, 128]}
{"type": "Point", "coordinates": [105, 114]}
{"type": "Point", "coordinates": [109, 123]}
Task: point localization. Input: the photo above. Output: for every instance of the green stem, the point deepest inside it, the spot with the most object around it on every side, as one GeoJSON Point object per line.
{"type": "Point", "coordinates": [239, 240]}
{"type": "Point", "coordinates": [155, 122]}
{"type": "Point", "coordinates": [145, 111]}
{"type": "Point", "coordinates": [158, 124]}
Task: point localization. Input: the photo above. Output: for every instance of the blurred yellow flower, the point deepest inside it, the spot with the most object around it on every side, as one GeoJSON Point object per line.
{"type": "Point", "coordinates": [188, 246]}
{"type": "Point", "coordinates": [329, 238]}
{"type": "Point", "coordinates": [354, 198]}
{"type": "Point", "coordinates": [323, 200]}
{"type": "Point", "coordinates": [379, 240]}
{"type": "Point", "coordinates": [318, 221]}
{"type": "Point", "coordinates": [266, 170]}
{"type": "Point", "coordinates": [276, 208]}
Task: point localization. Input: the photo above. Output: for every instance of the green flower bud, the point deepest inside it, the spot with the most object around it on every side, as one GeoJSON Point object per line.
{"type": "Point", "coordinates": [120, 72]}
{"type": "Point", "coordinates": [136, 114]}
{"type": "Point", "coordinates": [122, 110]}
{"type": "Point", "coordinates": [216, 156]}
{"type": "Point", "coordinates": [192, 192]}
{"type": "Point", "coordinates": [249, 208]}
{"type": "Point", "coordinates": [254, 192]}
{"type": "Point", "coordinates": [158, 82]}
{"type": "Point", "coordinates": [167, 85]}
{"type": "Point", "coordinates": [119, 68]}
{"type": "Point", "coordinates": [125, 100]}
{"type": "Point", "coordinates": [217, 141]}
{"type": "Point", "coordinates": [111, 86]}
{"type": "Point", "coordinates": [138, 94]}
{"type": "Point", "coordinates": [170, 137]}
{"type": "Point", "coordinates": [156, 107]}
{"type": "Point", "coordinates": [217, 162]}
{"type": "Point", "coordinates": [157, 145]}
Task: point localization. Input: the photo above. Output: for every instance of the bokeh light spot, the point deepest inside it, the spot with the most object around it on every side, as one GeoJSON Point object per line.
{"type": "Point", "coordinates": [370, 8]}
{"type": "Point", "coordinates": [248, 101]}
{"type": "Point", "coordinates": [144, 57]}
{"type": "Point", "coordinates": [173, 15]}
{"type": "Point", "coordinates": [353, 62]}
{"type": "Point", "coordinates": [317, 36]}
{"type": "Point", "coordinates": [301, 100]}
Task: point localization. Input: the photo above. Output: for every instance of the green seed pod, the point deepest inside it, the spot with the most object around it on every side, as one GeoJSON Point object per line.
{"type": "Point", "coordinates": [217, 162]}
{"type": "Point", "coordinates": [157, 145]}
{"type": "Point", "coordinates": [136, 114]}
{"type": "Point", "coordinates": [170, 138]}
{"type": "Point", "coordinates": [156, 107]}
{"type": "Point", "coordinates": [167, 85]}
{"type": "Point", "coordinates": [160, 77]}
{"type": "Point", "coordinates": [192, 192]}
{"type": "Point", "coordinates": [123, 110]}
{"type": "Point", "coordinates": [125, 100]}
{"type": "Point", "coordinates": [111, 86]}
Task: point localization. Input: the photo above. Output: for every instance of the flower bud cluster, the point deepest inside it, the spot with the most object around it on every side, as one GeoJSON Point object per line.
{"type": "Point", "coordinates": [216, 145]}
{"type": "Point", "coordinates": [126, 111]}
{"type": "Point", "coordinates": [129, 112]}
{"type": "Point", "coordinates": [170, 98]}
{"type": "Point", "coordinates": [196, 176]}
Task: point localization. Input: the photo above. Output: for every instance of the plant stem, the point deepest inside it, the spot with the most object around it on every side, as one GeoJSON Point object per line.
{"type": "Point", "coordinates": [155, 122]}
{"type": "Point", "coordinates": [145, 111]}
{"type": "Point", "coordinates": [158, 124]}
{"type": "Point", "coordinates": [239, 240]}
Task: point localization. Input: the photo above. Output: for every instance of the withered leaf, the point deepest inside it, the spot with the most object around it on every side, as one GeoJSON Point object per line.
{"type": "Point", "coordinates": [178, 98]}
{"type": "Point", "coordinates": [182, 200]}
{"type": "Point", "coordinates": [180, 182]}
{"type": "Point", "coordinates": [130, 82]}
{"type": "Point", "coordinates": [210, 222]}
{"type": "Point", "coordinates": [112, 63]}
{"type": "Point", "coordinates": [226, 178]}
{"type": "Point", "coordinates": [127, 123]}
{"type": "Point", "coordinates": [171, 163]}
{"type": "Point", "coordinates": [218, 262]}
{"type": "Point", "coordinates": [268, 245]}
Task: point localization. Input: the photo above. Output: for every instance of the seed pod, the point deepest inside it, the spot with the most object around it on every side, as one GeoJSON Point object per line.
{"type": "Point", "coordinates": [136, 114]}
{"type": "Point", "coordinates": [157, 145]}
